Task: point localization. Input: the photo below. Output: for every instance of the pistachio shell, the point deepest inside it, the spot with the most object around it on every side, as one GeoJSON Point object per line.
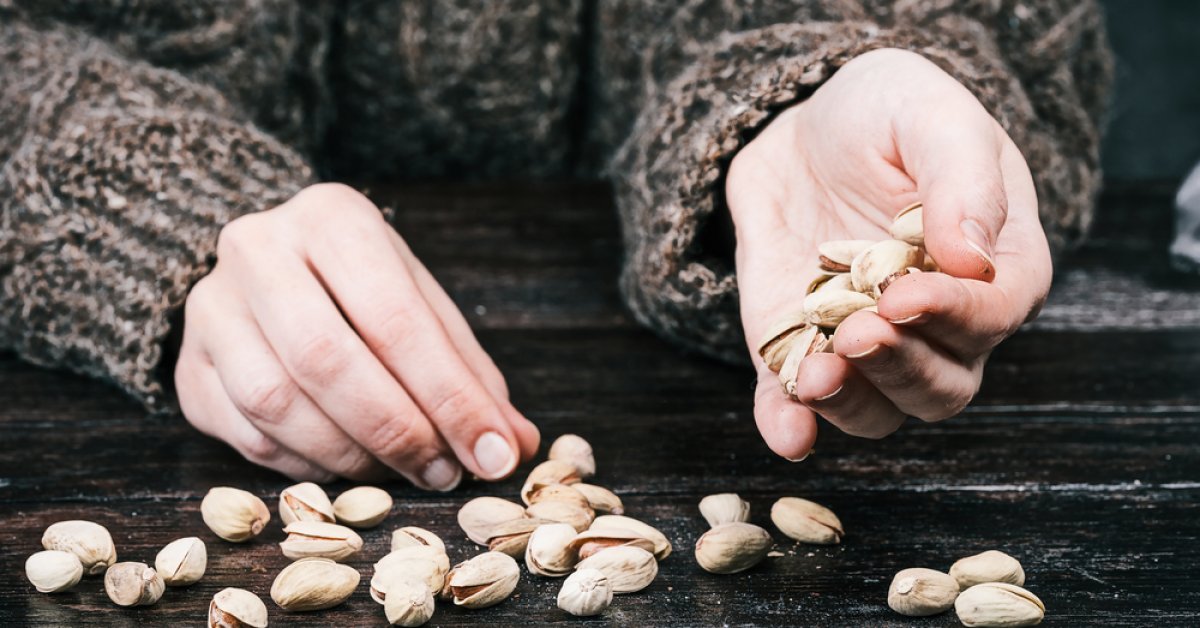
{"type": "Point", "coordinates": [629, 569]}
{"type": "Point", "coordinates": [575, 451]}
{"type": "Point", "coordinates": [837, 255]}
{"type": "Point", "coordinates": [600, 499]}
{"type": "Point", "coordinates": [88, 541]}
{"type": "Point", "coordinates": [233, 514]}
{"type": "Point", "coordinates": [828, 308]}
{"type": "Point", "coordinates": [478, 516]}
{"type": "Point", "coordinates": [806, 343]}
{"type": "Point", "coordinates": [1000, 605]}
{"type": "Point", "coordinates": [182, 561]}
{"type": "Point", "coordinates": [585, 593]}
{"type": "Point", "coordinates": [511, 537]}
{"type": "Point", "coordinates": [311, 584]}
{"type": "Point", "coordinates": [908, 225]}
{"type": "Point", "coordinates": [546, 473]}
{"type": "Point", "coordinates": [579, 517]}
{"type": "Point", "coordinates": [559, 492]}
{"type": "Point", "coordinates": [317, 539]}
{"type": "Point", "coordinates": [362, 507]}
{"type": "Point", "coordinates": [919, 592]}
{"type": "Point", "coordinates": [133, 584]}
{"type": "Point", "coordinates": [774, 343]}
{"type": "Point", "coordinates": [485, 580]}
{"type": "Point", "coordinates": [806, 521]}
{"type": "Point", "coordinates": [989, 566]}
{"type": "Point", "coordinates": [732, 547]}
{"type": "Point", "coordinates": [724, 508]}
{"type": "Point", "coordinates": [590, 542]}
{"type": "Point", "coordinates": [53, 571]}
{"type": "Point", "coordinates": [304, 502]}
{"type": "Point", "coordinates": [236, 608]}
{"type": "Point", "coordinates": [424, 563]}
{"type": "Point", "coordinates": [412, 535]}
{"type": "Point", "coordinates": [549, 551]}
{"type": "Point", "coordinates": [882, 262]}
{"type": "Point", "coordinates": [616, 523]}
{"type": "Point", "coordinates": [830, 281]}
{"type": "Point", "coordinates": [409, 603]}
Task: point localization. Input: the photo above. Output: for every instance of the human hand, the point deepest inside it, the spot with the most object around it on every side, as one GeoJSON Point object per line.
{"type": "Point", "coordinates": [320, 346]}
{"type": "Point", "coordinates": [888, 129]}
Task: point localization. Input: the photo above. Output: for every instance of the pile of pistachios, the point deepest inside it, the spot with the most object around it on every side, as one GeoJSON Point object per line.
{"type": "Point", "coordinates": [984, 590]}
{"type": "Point", "coordinates": [853, 276]}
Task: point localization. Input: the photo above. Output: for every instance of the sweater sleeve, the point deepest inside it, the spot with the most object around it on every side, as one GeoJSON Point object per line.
{"type": "Point", "coordinates": [115, 178]}
{"type": "Point", "coordinates": [1044, 77]}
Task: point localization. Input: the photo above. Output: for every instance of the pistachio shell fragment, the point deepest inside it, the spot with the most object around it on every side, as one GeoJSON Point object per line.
{"type": "Point", "coordinates": [236, 608]}
{"type": "Point", "coordinates": [600, 499]}
{"type": "Point", "coordinates": [724, 508]}
{"type": "Point", "coordinates": [412, 535]}
{"type": "Point", "coordinates": [908, 226]}
{"type": "Point", "coordinates": [575, 451]}
{"type": "Point", "coordinates": [806, 521]}
{"type": "Point", "coordinates": [233, 514]}
{"type": "Point", "coordinates": [549, 551]}
{"type": "Point", "coordinates": [732, 547]}
{"type": "Point", "coordinates": [133, 584]}
{"type": "Point", "coordinates": [362, 507]}
{"type": "Point", "coordinates": [410, 603]}
{"type": "Point", "coordinates": [920, 592]}
{"type": "Point", "coordinates": [53, 571]}
{"type": "Point", "coordinates": [317, 539]}
{"type": "Point", "coordinates": [304, 502]}
{"type": "Point", "coordinates": [585, 593]}
{"type": "Point", "coordinates": [182, 561]}
{"type": "Point", "coordinates": [88, 541]}
{"type": "Point", "coordinates": [998, 605]}
{"type": "Point", "coordinates": [837, 255]}
{"type": "Point", "coordinates": [311, 584]}
{"type": "Point", "coordinates": [619, 523]}
{"type": "Point", "coordinates": [989, 566]}
{"type": "Point", "coordinates": [478, 516]}
{"type": "Point", "coordinates": [629, 569]}
{"type": "Point", "coordinates": [546, 473]}
{"type": "Point", "coordinates": [485, 580]}
{"type": "Point", "coordinates": [579, 517]}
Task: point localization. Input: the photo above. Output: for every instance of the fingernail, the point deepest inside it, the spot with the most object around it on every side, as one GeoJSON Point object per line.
{"type": "Point", "coordinates": [829, 396]}
{"type": "Point", "coordinates": [494, 456]}
{"type": "Point", "coordinates": [801, 458]}
{"type": "Point", "coordinates": [875, 353]}
{"type": "Point", "coordinates": [977, 239]}
{"type": "Point", "coordinates": [915, 318]}
{"type": "Point", "coordinates": [442, 474]}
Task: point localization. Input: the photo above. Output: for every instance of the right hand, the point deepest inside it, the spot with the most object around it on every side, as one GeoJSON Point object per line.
{"type": "Point", "coordinates": [319, 346]}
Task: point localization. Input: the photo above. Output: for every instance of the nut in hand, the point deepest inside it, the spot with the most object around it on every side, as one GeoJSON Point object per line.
{"type": "Point", "coordinates": [182, 561]}
{"type": "Point", "coordinates": [304, 502]}
{"type": "Point", "coordinates": [53, 571]}
{"type": "Point", "coordinates": [919, 592]}
{"type": "Point", "coordinates": [909, 226]}
{"type": "Point", "coordinates": [311, 584]}
{"type": "Point", "coordinates": [732, 547]}
{"type": "Point", "coordinates": [999, 605]}
{"type": "Point", "coordinates": [88, 541]}
{"type": "Point", "coordinates": [806, 521]}
{"type": "Point", "coordinates": [236, 608]}
{"type": "Point", "coordinates": [585, 593]}
{"type": "Point", "coordinates": [133, 584]}
{"type": "Point", "coordinates": [836, 256]}
{"type": "Point", "coordinates": [724, 508]}
{"type": "Point", "coordinates": [989, 566]}
{"type": "Point", "coordinates": [233, 514]}
{"type": "Point", "coordinates": [883, 262]}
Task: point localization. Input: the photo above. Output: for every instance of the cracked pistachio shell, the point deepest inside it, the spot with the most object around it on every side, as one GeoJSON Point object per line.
{"type": "Point", "coordinates": [485, 580]}
{"type": "Point", "coordinates": [410, 602]}
{"type": "Point", "coordinates": [409, 536]}
{"type": "Point", "coordinates": [724, 508]}
{"type": "Point", "coordinates": [830, 281]}
{"type": "Point", "coordinates": [236, 608]}
{"type": "Point", "coordinates": [585, 593]}
{"type": "Point", "coordinates": [600, 499]}
{"type": "Point", "coordinates": [989, 566]}
{"type": "Point", "coordinates": [133, 584]}
{"type": "Point", "coordinates": [919, 592]}
{"type": "Point", "coordinates": [311, 584]}
{"type": "Point", "coordinates": [362, 507]}
{"type": "Point", "coordinates": [53, 571]}
{"type": "Point", "coordinates": [732, 547]}
{"type": "Point", "coordinates": [560, 493]}
{"type": "Point", "coordinates": [809, 341]}
{"type": "Point", "coordinates": [304, 502]}
{"type": "Point", "coordinates": [616, 523]}
{"type": "Point", "coordinates": [883, 261]}
{"type": "Point", "coordinates": [575, 451]}
{"type": "Point", "coordinates": [590, 542]}
{"type": "Point", "coordinates": [317, 539]}
{"type": "Point", "coordinates": [999, 605]}
{"type": "Point", "coordinates": [837, 255]}
{"type": "Point", "coordinates": [776, 340]}
{"type": "Point", "coordinates": [233, 514]}
{"type": "Point", "coordinates": [579, 517]}
{"type": "Point", "coordinates": [629, 569]}
{"type": "Point", "coordinates": [511, 537]}
{"type": "Point", "coordinates": [89, 542]}
{"type": "Point", "coordinates": [908, 226]}
{"type": "Point", "coordinates": [806, 521]}
{"type": "Point", "coordinates": [426, 563]}
{"type": "Point", "coordinates": [828, 308]}
{"type": "Point", "coordinates": [549, 551]}
{"type": "Point", "coordinates": [478, 516]}
{"type": "Point", "coordinates": [182, 561]}
{"type": "Point", "coordinates": [547, 473]}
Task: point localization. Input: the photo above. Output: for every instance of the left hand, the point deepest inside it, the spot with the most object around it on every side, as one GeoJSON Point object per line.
{"type": "Point", "coordinates": [888, 129]}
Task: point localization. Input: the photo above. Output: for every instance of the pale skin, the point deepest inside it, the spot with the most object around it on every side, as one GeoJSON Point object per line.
{"type": "Point", "coordinates": [319, 345]}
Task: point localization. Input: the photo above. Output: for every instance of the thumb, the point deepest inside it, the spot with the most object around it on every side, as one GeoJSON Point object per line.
{"type": "Point", "coordinates": [955, 161]}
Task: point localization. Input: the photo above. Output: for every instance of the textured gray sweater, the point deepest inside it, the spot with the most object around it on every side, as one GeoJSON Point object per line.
{"type": "Point", "coordinates": [131, 131]}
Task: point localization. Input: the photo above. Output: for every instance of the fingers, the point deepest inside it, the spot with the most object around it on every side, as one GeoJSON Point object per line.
{"type": "Point", "coordinates": [967, 318]}
{"type": "Point", "coordinates": [918, 378]}
{"type": "Point", "coordinates": [788, 428]}
{"type": "Point", "coordinates": [831, 387]}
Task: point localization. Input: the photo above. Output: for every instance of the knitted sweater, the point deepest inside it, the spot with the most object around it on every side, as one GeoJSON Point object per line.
{"type": "Point", "coordinates": [131, 132]}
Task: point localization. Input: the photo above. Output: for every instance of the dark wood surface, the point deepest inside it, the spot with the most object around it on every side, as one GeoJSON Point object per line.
{"type": "Point", "coordinates": [1080, 455]}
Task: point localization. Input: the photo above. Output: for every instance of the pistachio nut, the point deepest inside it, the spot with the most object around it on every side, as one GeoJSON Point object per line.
{"type": "Point", "coordinates": [485, 580]}
{"type": "Point", "coordinates": [887, 281]}
{"type": "Point", "coordinates": [809, 341]}
{"type": "Point", "coordinates": [559, 492]}
{"type": "Point", "coordinates": [133, 584]}
{"type": "Point", "coordinates": [53, 571]}
{"type": "Point", "coordinates": [304, 502]}
{"type": "Point", "coordinates": [511, 537]}
{"type": "Point", "coordinates": [837, 255]}
{"type": "Point", "coordinates": [989, 566]}
{"type": "Point", "coordinates": [579, 517]}
{"type": "Point", "coordinates": [233, 514]}
{"type": "Point", "coordinates": [478, 516]}
{"type": "Point", "coordinates": [236, 608]}
{"type": "Point", "coordinates": [600, 499]}
{"type": "Point", "coordinates": [585, 593]}
{"type": "Point", "coordinates": [999, 604]}
{"type": "Point", "coordinates": [778, 338]}
{"type": "Point", "coordinates": [724, 508]}
{"type": "Point", "coordinates": [629, 569]}
{"type": "Point", "coordinates": [732, 547]}
{"type": "Point", "coordinates": [918, 592]}
{"type": "Point", "coordinates": [182, 561]}
{"type": "Point", "coordinates": [591, 541]}
{"type": "Point", "coordinates": [830, 281]}
{"type": "Point", "coordinates": [806, 521]}
{"type": "Point", "coordinates": [317, 539]}
{"type": "Point", "coordinates": [425, 563]}
{"type": "Point", "coordinates": [88, 541]}
{"type": "Point", "coordinates": [881, 261]}
{"type": "Point", "coordinates": [362, 507]}
{"type": "Point", "coordinates": [828, 308]}
{"type": "Point", "coordinates": [411, 535]}
{"type": "Point", "coordinates": [410, 602]}
{"type": "Point", "coordinates": [546, 473]}
{"type": "Point", "coordinates": [617, 523]}
{"type": "Point", "coordinates": [575, 451]}
{"type": "Point", "coordinates": [311, 584]}
{"type": "Point", "coordinates": [549, 551]}
{"type": "Point", "coordinates": [908, 226]}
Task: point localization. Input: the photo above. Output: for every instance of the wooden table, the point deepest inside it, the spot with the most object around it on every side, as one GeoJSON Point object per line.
{"type": "Point", "coordinates": [1080, 455]}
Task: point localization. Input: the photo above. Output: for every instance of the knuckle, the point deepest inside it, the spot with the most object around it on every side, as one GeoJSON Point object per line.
{"type": "Point", "coordinates": [259, 448]}
{"type": "Point", "coordinates": [356, 464]}
{"type": "Point", "coordinates": [236, 235]}
{"type": "Point", "coordinates": [335, 199]}
{"type": "Point", "coordinates": [320, 358]}
{"type": "Point", "coordinates": [266, 398]}
{"type": "Point", "coordinates": [396, 437]}
{"type": "Point", "coordinates": [456, 403]}
{"type": "Point", "coordinates": [394, 332]}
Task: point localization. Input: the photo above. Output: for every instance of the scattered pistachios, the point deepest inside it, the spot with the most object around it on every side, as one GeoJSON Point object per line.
{"type": "Point", "coordinates": [311, 584]}
{"type": "Point", "coordinates": [409, 603]}
{"type": "Point", "coordinates": [88, 541]}
{"type": "Point", "coordinates": [576, 452]}
{"type": "Point", "coordinates": [53, 571]}
{"type": "Point", "coordinates": [317, 539]}
{"type": "Point", "coordinates": [585, 593]}
{"type": "Point", "coordinates": [989, 566]}
{"type": "Point", "coordinates": [233, 514]}
{"type": "Point", "coordinates": [806, 521]}
{"type": "Point", "coordinates": [182, 562]}
{"type": "Point", "coordinates": [984, 590]}
{"type": "Point", "coordinates": [237, 608]}
{"type": "Point", "coordinates": [919, 592]}
{"type": "Point", "coordinates": [724, 508]}
{"type": "Point", "coordinates": [999, 605]}
{"type": "Point", "coordinates": [133, 584]}
{"type": "Point", "coordinates": [732, 547]}
{"type": "Point", "coordinates": [304, 502]}
{"type": "Point", "coordinates": [362, 507]}
{"type": "Point", "coordinates": [484, 581]}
